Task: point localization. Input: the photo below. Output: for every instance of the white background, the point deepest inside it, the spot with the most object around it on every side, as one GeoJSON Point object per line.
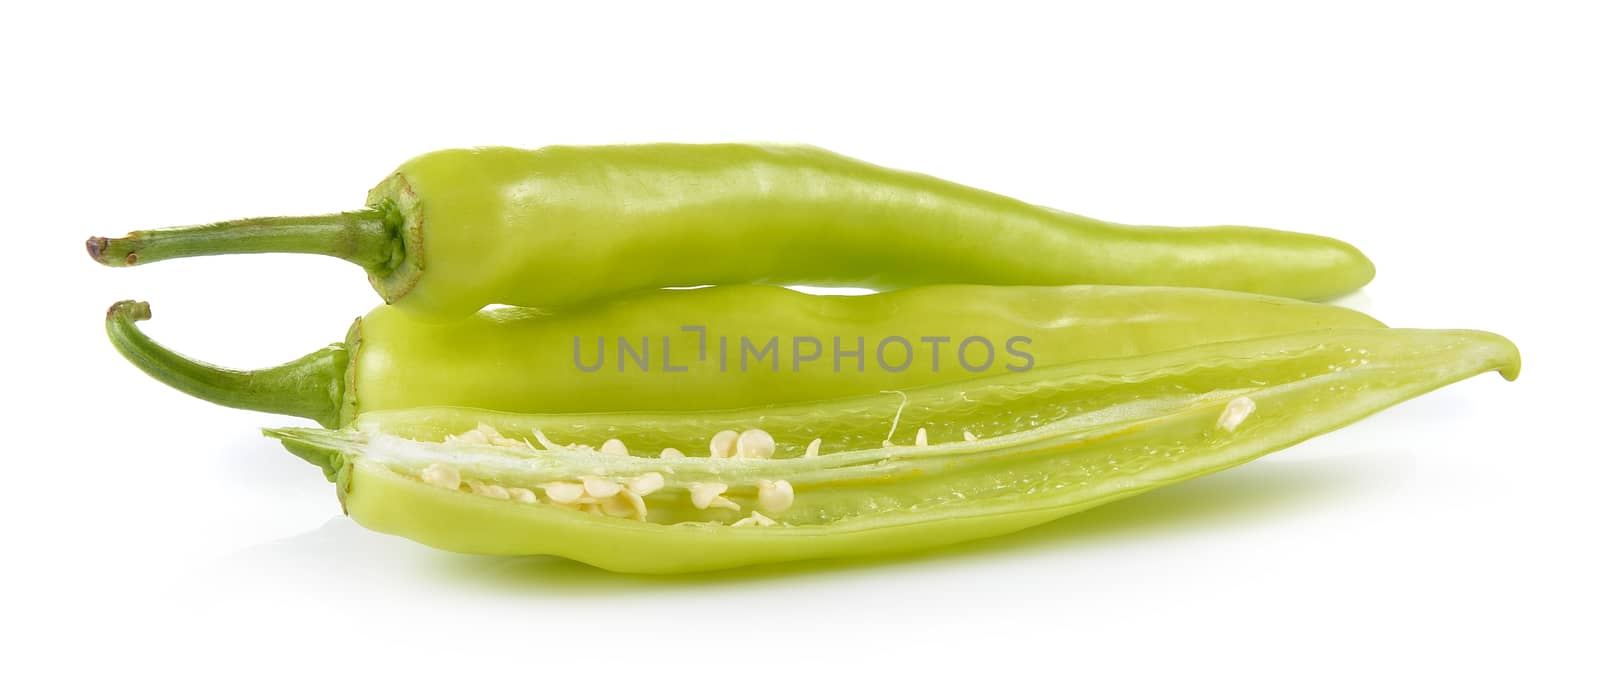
{"type": "Point", "coordinates": [1447, 545]}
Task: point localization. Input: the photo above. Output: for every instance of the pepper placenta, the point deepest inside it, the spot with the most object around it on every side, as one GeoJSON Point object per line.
{"type": "Point", "coordinates": [455, 230]}
{"type": "Point", "coordinates": [722, 347]}
{"type": "Point", "coordinates": [872, 474]}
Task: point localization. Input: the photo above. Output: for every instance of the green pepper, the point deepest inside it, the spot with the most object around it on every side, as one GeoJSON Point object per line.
{"type": "Point", "coordinates": [453, 231]}
{"type": "Point", "coordinates": [721, 347]}
{"type": "Point", "coordinates": [873, 474]}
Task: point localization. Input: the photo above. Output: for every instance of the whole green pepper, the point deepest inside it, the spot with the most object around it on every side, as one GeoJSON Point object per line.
{"type": "Point", "coordinates": [453, 231]}
{"type": "Point", "coordinates": [873, 474]}
{"type": "Point", "coordinates": [721, 347]}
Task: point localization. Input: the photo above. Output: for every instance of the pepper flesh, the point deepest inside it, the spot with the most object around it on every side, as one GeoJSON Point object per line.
{"type": "Point", "coordinates": [520, 360]}
{"type": "Point", "coordinates": [455, 230]}
{"type": "Point", "coordinates": [1050, 443]}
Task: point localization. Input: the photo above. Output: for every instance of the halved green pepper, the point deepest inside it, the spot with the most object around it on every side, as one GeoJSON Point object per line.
{"type": "Point", "coordinates": [721, 347]}
{"type": "Point", "coordinates": [874, 474]}
{"type": "Point", "coordinates": [455, 230]}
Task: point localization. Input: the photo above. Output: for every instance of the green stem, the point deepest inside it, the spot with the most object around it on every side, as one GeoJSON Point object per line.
{"type": "Point", "coordinates": [366, 237]}
{"type": "Point", "coordinates": [311, 386]}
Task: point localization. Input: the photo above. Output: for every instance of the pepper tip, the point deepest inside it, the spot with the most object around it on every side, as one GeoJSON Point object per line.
{"type": "Point", "coordinates": [1509, 363]}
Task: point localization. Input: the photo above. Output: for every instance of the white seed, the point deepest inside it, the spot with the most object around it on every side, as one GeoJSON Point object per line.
{"type": "Point", "coordinates": [969, 436]}
{"type": "Point", "coordinates": [616, 506]}
{"type": "Point", "coordinates": [922, 436]}
{"type": "Point", "coordinates": [614, 447]}
{"type": "Point", "coordinates": [647, 483]}
{"type": "Point", "coordinates": [563, 492]}
{"type": "Point", "coordinates": [592, 508]}
{"type": "Point", "coordinates": [755, 443]}
{"type": "Point", "coordinates": [510, 443]}
{"type": "Point", "coordinates": [471, 437]}
{"type": "Point", "coordinates": [813, 448]}
{"type": "Point", "coordinates": [487, 434]}
{"type": "Point", "coordinates": [754, 519]}
{"type": "Point", "coordinates": [775, 496]}
{"type": "Point", "coordinates": [637, 503]}
{"type": "Point", "coordinates": [487, 490]}
{"type": "Point", "coordinates": [708, 495]}
{"type": "Point", "coordinates": [522, 494]}
{"type": "Point", "coordinates": [1234, 413]}
{"type": "Point", "coordinates": [722, 444]}
{"type": "Point", "coordinates": [569, 506]}
{"type": "Point", "coordinates": [440, 475]}
{"type": "Point", "coordinates": [600, 488]}
{"type": "Point", "coordinates": [670, 452]}
{"type": "Point", "coordinates": [701, 493]}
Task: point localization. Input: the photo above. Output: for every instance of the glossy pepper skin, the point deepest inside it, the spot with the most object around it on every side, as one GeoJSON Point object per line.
{"type": "Point", "coordinates": [455, 230]}
{"type": "Point", "coordinates": [994, 454]}
{"type": "Point", "coordinates": [519, 360]}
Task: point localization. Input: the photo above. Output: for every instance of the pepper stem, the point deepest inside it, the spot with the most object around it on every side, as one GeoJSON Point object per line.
{"type": "Point", "coordinates": [311, 386]}
{"type": "Point", "coordinates": [366, 237]}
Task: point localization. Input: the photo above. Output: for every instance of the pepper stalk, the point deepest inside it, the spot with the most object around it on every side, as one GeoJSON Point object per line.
{"type": "Point", "coordinates": [365, 237]}
{"type": "Point", "coordinates": [312, 386]}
